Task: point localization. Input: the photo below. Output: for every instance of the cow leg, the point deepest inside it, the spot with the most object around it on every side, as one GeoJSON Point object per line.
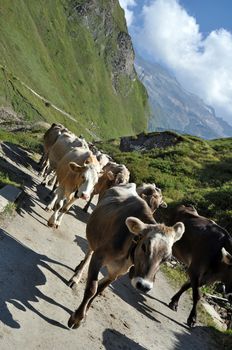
{"type": "Point", "coordinates": [52, 180]}
{"type": "Point", "coordinates": [53, 222]}
{"type": "Point", "coordinates": [175, 299]}
{"type": "Point", "coordinates": [51, 205]}
{"type": "Point", "coordinates": [103, 283]}
{"type": "Point", "coordinates": [191, 321]}
{"type": "Point", "coordinates": [79, 269]}
{"type": "Point", "coordinates": [86, 207]}
{"type": "Point", "coordinates": [90, 290]}
{"type": "Point", "coordinates": [64, 209]}
{"type": "Point", "coordinates": [114, 272]}
{"type": "Point", "coordinates": [46, 175]}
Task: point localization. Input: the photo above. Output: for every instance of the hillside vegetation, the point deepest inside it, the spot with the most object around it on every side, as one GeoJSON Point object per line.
{"type": "Point", "coordinates": [72, 63]}
{"type": "Point", "coordinates": [191, 171]}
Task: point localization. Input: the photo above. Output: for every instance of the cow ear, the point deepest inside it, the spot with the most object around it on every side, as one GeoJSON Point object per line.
{"type": "Point", "coordinates": [163, 205]}
{"type": "Point", "coordinates": [135, 225]}
{"type": "Point", "coordinates": [110, 175]}
{"type": "Point", "coordinates": [74, 167]}
{"type": "Point", "coordinates": [226, 257]}
{"type": "Point", "coordinates": [179, 230]}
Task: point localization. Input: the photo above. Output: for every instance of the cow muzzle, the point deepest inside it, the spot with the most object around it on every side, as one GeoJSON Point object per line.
{"type": "Point", "coordinates": [141, 284]}
{"type": "Point", "coordinates": [85, 196]}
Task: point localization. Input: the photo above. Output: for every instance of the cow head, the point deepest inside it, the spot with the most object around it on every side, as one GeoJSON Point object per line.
{"type": "Point", "coordinates": [119, 176]}
{"type": "Point", "coordinates": [152, 195]}
{"type": "Point", "coordinates": [154, 247]}
{"type": "Point", "coordinates": [227, 273]}
{"type": "Point", "coordinates": [87, 177]}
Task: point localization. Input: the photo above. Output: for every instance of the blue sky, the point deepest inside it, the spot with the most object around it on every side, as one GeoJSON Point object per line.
{"type": "Point", "coordinates": [210, 14]}
{"type": "Point", "coordinates": [193, 39]}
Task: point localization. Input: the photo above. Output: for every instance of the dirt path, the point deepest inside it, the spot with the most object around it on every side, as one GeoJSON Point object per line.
{"type": "Point", "coordinates": [36, 262]}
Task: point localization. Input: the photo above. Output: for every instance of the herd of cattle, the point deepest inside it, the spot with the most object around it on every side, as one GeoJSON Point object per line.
{"type": "Point", "coordinates": [122, 232]}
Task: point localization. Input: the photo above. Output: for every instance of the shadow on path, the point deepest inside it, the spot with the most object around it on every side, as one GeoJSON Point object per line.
{"type": "Point", "coordinates": [114, 340]}
{"type": "Point", "coordinates": [20, 276]}
{"type": "Point", "coordinates": [202, 338]}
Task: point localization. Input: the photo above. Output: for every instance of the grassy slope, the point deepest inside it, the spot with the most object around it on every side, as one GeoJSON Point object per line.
{"type": "Point", "coordinates": [59, 60]}
{"type": "Point", "coordinates": [194, 171]}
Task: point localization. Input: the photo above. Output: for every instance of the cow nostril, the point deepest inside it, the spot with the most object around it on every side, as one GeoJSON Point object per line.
{"type": "Point", "coordinates": [143, 288]}
{"type": "Point", "coordinates": [84, 196]}
{"type": "Point", "coordinates": [139, 285]}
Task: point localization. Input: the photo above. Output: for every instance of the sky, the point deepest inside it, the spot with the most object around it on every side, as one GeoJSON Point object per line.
{"type": "Point", "coordinates": [193, 39]}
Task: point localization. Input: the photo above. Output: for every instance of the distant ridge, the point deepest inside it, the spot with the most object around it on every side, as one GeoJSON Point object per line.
{"type": "Point", "coordinates": [174, 108]}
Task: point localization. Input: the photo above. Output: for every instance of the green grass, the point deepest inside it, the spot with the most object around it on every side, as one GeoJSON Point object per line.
{"type": "Point", "coordinates": [46, 46]}
{"type": "Point", "coordinates": [31, 140]}
{"type": "Point", "coordinates": [193, 171]}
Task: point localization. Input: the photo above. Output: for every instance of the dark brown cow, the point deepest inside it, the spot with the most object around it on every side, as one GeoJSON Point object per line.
{"type": "Point", "coordinates": [122, 232]}
{"type": "Point", "coordinates": [205, 249]}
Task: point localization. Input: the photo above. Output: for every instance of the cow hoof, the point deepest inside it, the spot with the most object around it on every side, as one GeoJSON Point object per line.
{"type": "Point", "coordinates": [73, 323]}
{"type": "Point", "coordinates": [173, 305]}
{"type": "Point", "coordinates": [50, 224]}
{"type": "Point", "coordinates": [191, 322]}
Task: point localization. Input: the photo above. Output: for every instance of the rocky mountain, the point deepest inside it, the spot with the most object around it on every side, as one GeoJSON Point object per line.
{"type": "Point", "coordinates": [174, 108]}
{"type": "Point", "coordinates": [71, 61]}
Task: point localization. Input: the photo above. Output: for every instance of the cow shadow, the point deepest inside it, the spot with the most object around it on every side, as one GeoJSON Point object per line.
{"type": "Point", "coordinates": [202, 338]}
{"type": "Point", "coordinates": [16, 174]}
{"type": "Point", "coordinates": [29, 202]}
{"type": "Point", "coordinates": [123, 288]}
{"type": "Point", "coordinates": [114, 340]}
{"type": "Point", "coordinates": [78, 213]}
{"type": "Point", "coordinates": [18, 155]}
{"type": "Point", "coordinates": [20, 276]}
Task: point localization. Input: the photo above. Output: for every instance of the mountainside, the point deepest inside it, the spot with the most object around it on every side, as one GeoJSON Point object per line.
{"type": "Point", "coordinates": [174, 108]}
{"type": "Point", "coordinates": [78, 56]}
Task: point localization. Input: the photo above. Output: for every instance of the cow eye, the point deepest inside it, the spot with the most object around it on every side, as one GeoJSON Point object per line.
{"type": "Point", "coordinates": [144, 247]}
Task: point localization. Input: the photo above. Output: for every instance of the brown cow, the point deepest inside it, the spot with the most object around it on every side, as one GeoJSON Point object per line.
{"type": "Point", "coordinates": [77, 173]}
{"type": "Point", "coordinates": [122, 232]}
{"type": "Point", "coordinates": [152, 195]}
{"type": "Point", "coordinates": [49, 139]}
{"type": "Point", "coordinates": [113, 174]}
{"type": "Point", "coordinates": [206, 250]}
{"type": "Point", "coordinates": [64, 143]}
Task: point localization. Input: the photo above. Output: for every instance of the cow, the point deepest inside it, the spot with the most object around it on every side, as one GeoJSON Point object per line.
{"type": "Point", "coordinates": [77, 173]}
{"type": "Point", "coordinates": [206, 250]}
{"type": "Point", "coordinates": [64, 143]}
{"type": "Point", "coordinates": [112, 174]}
{"type": "Point", "coordinates": [49, 139]}
{"type": "Point", "coordinates": [152, 195]}
{"type": "Point", "coordinates": [122, 232]}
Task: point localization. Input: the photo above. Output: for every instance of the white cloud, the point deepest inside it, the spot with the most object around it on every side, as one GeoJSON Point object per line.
{"type": "Point", "coordinates": [203, 65]}
{"type": "Point", "coordinates": [127, 6]}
